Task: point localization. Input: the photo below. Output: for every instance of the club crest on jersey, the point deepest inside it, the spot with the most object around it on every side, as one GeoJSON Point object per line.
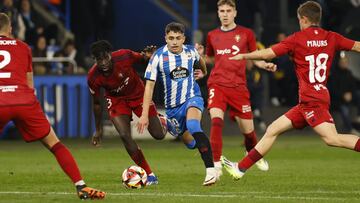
{"type": "Point", "coordinates": [237, 38]}
{"type": "Point", "coordinates": [179, 73]}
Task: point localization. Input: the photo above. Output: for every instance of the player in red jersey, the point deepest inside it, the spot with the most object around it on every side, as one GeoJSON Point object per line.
{"type": "Point", "coordinates": [124, 91]}
{"type": "Point", "coordinates": [227, 80]}
{"type": "Point", "coordinates": [19, 104]}
{"type": "Point", "coordinates": [313, 50]}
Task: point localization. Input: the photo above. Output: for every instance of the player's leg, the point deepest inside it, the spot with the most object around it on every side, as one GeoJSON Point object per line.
{"type": "Point", "coordinates": [217, 106]}
{"type": "Point", "coordinates": [247, 129]}
{"type": "Point", "coordinates": [279, 126]}
{"type": "Point", "coordinates": [70, 167]}
{"type": "Point", "coordinates": [188, 140]}
{"type": "Point", "coordinates": [122, 125]}
{"type": "Point", "coordinates": [33, 125]}
{"type": "Point", "coordinates": [330, 136]}
{"type": "Point", "coordinates": [157, 127]}
{"type": "Point", "coordinates": [193, 118]}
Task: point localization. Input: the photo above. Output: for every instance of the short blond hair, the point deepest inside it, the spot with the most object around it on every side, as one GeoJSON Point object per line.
{"type": "Point", "coordinates": [4, 22]}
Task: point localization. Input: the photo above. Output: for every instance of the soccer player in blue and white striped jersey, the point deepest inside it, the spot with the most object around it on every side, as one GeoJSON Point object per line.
{"type": "Point", "coordinates": [174, 66]}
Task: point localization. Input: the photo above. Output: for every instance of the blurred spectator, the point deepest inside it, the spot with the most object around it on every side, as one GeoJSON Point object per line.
{"type": "Point", "coordinates": [255, 85]}
{"type": "Point", "coordinates": [70, 52]}
{"type": "Point", "coordinates": [40, 50]}
{"type": "Point", "coordinates": [31, 21]}
{"type": "Point", "coordinates": [342, 85]}
{"type": "Point", "coordinates": [18, 27]}
{"type": "Point", "coordinates": [283, 82]}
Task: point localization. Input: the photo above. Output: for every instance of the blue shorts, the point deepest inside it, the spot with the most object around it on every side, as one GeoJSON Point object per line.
{"type": "Point", "coordinates": [178, 114]}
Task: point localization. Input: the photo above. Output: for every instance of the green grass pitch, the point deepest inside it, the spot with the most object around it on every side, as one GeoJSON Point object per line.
{"type": "Point", "coordinates": [302, 169]}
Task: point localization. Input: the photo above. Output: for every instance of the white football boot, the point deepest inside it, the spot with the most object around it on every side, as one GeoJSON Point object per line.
{"type": "Point", "coordinates": [231, 168]}
{"type": "Point", "coordinates": [211, 177]}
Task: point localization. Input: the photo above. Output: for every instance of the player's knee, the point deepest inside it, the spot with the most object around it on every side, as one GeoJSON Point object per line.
{"type": "Point", "coordinates": [331, 141]}
{"type": "Point", "coordinates": [193, 126]}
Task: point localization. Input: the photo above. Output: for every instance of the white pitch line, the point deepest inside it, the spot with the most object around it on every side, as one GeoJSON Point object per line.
{"type": "Point", "coordinates": [259, 195]}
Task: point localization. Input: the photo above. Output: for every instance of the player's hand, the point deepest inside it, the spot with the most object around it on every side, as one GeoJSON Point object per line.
{"type": "Point", "coordinates": [142, 124]}
{"type": "Point", "coordinates": [198, 74]}
{"type": "Point", "coordinates": [237, 57]}
{"type": "Point", "coordinates": [148, 51]}
{"type": "Point", "coordinates": [200, 48]}
{"type": "Point", "coordinates": [96, 138]}
{"type": "Point", "coordinates": [270, 67]}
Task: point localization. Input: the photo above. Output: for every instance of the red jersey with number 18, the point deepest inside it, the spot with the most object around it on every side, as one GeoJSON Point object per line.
{"type": "Point", "coordinates": [313, 50]}
{"type": "Point", "coordinates": [15, 63]}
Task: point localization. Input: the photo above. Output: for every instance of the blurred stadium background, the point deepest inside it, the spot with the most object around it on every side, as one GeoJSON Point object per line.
{"type": "Point", "coordinates": [60, 32]}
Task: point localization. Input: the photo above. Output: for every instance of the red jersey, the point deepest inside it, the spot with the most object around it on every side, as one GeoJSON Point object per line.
{"type": "Point", "coordinates": [225, 44]}
{"type": "Point", "coordinates": [123, 82]}
{"type": "Point", "coordinates": [313, 50]}
{"type": "Point", "coordinates": [15, 63]}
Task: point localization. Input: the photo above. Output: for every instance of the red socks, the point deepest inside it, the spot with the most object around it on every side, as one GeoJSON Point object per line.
{"type": "Point", "coordinates": [216, 137]}
{"type": "Point", "coordinates": [66, 161]}
{"type": "Point", "coordinates": [357, 146]}
{"type": "Point", "coordinates": [252, 157]}
{"type": "Point", "coordinates": [250, 140]}
{"type": "Point", "coordinates": [139, 159]}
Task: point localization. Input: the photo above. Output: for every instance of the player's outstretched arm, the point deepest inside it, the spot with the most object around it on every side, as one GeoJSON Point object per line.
{"type": "Point", "coordinates": [148, 94]}
{"type": "Point", "coordinates": [264, 54]}
{"type": "Point", "coordinates": [356, 47]}
{"type": "Point", "coordinates": [97, 137]}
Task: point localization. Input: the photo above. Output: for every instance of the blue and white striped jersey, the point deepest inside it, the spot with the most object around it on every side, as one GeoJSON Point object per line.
{"type": "Point", "coordinates": [176, 72]}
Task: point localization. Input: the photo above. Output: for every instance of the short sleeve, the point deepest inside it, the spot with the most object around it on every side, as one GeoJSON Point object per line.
{"type": "Point", "coordinates": [251, 41]}
{"type": "Point", "coordinates": [209, 46]}
{"type": "Point", "coordinates": [93, 87]}
{"type": "Point", "coordinates": [136, 57]}
{"type": "Point", "coordinates": [152, 68]}
{"type": "Point", "coordinates": [284, 47]}
{"type": "Point", "coordinates": [343, 43]}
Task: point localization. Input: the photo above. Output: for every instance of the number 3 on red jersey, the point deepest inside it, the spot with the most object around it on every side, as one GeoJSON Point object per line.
{"type": "Point", "coordinates": [320, 61]}
{"type": "Point", "coordinates": [5, 62]}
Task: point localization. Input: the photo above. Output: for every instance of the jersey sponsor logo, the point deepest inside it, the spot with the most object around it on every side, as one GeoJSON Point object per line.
{"type": "Point", "coordinates": [234, 50]}
{"type": "Point", "coordinates": [117, 90]}
{"type": "Point", "coordinates": [8, 88]}
{"type": "Point", "coordinates": [246, 108]}
{"type": "Point", "coordinates": [179, 73]}
{"type": "Point", "coordinates": [8, 42]}
{"type": "Point", "coordinates": [316, 43]}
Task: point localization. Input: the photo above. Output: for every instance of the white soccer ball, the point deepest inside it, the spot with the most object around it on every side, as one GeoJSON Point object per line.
{"type": "Point", "coordinates": [134, 177]}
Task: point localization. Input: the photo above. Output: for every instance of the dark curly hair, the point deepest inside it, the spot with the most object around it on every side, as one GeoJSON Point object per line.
{"type": "Point", "coordinates": [100, 48]}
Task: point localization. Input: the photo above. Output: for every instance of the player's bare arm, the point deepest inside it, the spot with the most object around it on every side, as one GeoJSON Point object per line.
{"type": "Point", "coordinates": [148, 94]}
{"type": "Point", "coordinates": [30, 79]}
{"type": "Point", "coordinates": [96, 139]}
{"type": "Point", "coordinates": [356, 47]}
{"type": "Point", "coordinates": [202, 72]}
{"type": "Point", "coordinates": [264, 54]}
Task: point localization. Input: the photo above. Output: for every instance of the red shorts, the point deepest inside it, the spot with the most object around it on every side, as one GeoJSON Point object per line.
{"type": "Point", "coordinates": [118, 107]}
{"type": "Point", "coordinates": [238, 99]}
{"type": "Point", "coordinates": [302, 115]}
{"type": "Point", "coordinates": [29, 119]}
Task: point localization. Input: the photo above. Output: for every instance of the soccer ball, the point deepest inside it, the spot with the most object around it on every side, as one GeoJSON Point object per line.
{"type": "Point", "coordinates": [134, 177]}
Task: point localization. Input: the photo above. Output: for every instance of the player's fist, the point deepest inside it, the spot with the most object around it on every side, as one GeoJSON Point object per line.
{"type": "Point", "coordinates": [142, 124]}
{"type": "Point", "coordinates": [270, 67]}
{"type": "Point", "coordinates": [148, 51]}
{"type": "Point", "coordinates": [198, 74]}
{"type": "Point", "coordinates": [200, 48]}
{"type": "Point", "coordinates": [96, 138]}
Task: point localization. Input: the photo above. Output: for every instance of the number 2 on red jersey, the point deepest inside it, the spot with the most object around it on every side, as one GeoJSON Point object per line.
{"type": "Point", "coordinates": [6, 60]}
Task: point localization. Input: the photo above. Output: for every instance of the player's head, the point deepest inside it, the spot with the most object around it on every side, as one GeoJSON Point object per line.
{"type": "Point", "coordinates": [101, 52]}
{"type": "Point", "coordinates": [175, 37]}
{"type": "Point", "coordinates": [309, 13]}
{"type": "Point", "coordinates": [227, 12]}
{"type": "Point", "coordinates": [5, 25]}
